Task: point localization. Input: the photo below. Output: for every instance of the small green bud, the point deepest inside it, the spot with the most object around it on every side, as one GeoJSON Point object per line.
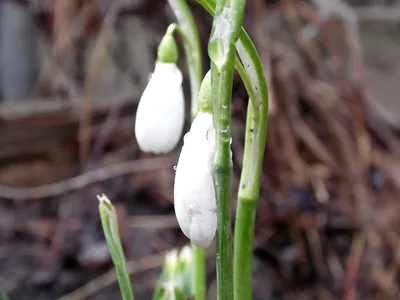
{"type": "Point", "coordinates": [186, 255]}
{"type": "Point", "coordinates": [185, 270]}
{"type": "Point", "coordinates": [176, 277]}
{"type": "Point", "coordinates": [204, 98]}
{"type": "Point", "coordinates": [171, 261]}
{"type": "Point", "coordinates": [168, 50]}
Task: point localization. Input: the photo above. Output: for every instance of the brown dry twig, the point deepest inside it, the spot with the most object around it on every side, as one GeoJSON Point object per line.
{"type": "Point", "coordinates": [321, 119]}
{"type": "Point", "coordinates": [153, 222]}
{"type": "Point", "coordinates": [353, 266]}
{"type": "Point", "coordinates": [85, 179]}
{"type": "Point", "coordinates": [101, 282]}
{"type": "Point", "coordinates": [134, 267]}
{"type": "Point", "coordinates": [97, 57]}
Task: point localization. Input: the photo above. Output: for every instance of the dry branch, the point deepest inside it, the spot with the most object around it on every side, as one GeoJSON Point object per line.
{"type": "Point", "coordinates": [85, 179]}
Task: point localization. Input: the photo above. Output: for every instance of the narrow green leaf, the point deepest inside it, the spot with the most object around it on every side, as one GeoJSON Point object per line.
{"type": "Point", "coordinates": [109, 221]}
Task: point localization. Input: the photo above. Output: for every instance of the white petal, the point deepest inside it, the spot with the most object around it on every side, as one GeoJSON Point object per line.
{"type": "Point", "coordinates": [160, 113]}
{"type": "Point", "coordinates": [195, 205]}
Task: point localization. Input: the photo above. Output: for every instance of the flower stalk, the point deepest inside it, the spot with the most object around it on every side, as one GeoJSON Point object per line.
{"type": "Point", "coordinates": [256, 130]}
{"type": "Point", "coordinates": [228, 17]}
{"type": "Point", "coordinates": [192, 48]}
{"type": "Point", "coordinates": [189, 32]}
{"type": "Point", "coordinates": [249, 186]}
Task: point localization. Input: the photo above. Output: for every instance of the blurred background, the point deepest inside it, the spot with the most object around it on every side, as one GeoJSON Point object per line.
{"type": "Point", "coordinates": [71, 75]}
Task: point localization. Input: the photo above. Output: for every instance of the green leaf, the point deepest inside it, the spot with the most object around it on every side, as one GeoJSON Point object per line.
{"type": "Point", "coordinates": [109, 221]}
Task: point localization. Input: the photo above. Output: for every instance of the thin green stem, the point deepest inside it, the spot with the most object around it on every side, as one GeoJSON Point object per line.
{"type": "Point", "coordinates": [256, 130]}
{"type": "Point", "coordinates": [193, 53]}
{"type": "Point", "coordinates": [247, 83]}
{"type": "Point", "coordinates": [238, 65]}
{"type": "Point", "coordinates": [227, 23]}
{"type": "Point", "coordinates": [192, 48]}
{"type": "Point", "coordinates": [249, 186]}
{"type": "Point", "coordinates": [243, 250]}
{"type": "Point", "coordinates": [255, 73]}
{"type": "Point", "coordinates": [199, 278]}
{"type": "Point", "coordinates": [247, 202]}
{"type": "Point", "coordinates": [252, 72]}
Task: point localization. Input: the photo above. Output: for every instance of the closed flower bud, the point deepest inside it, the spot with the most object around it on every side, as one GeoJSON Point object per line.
{"type": "Point", "coordinates": [195, 204]}
{"type": "Point", "coordinates": [160, 113]}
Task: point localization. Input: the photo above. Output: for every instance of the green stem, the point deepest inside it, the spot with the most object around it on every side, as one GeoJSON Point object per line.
{"type": "Point", "coordinates": [249, 189]}
{"type": "Point", "coordinates": [227, 23]}
{"type": "Point", "coordinates": [193, 53]}
{"type": "Point", "coordinates": [196, 77]}
{"type": "Point", "coordinates": [249, 186]}
{"type": "Point", "coordinates": [192, 48]}
{"type": "Point", "coordinates": [243, 254]}
{"type": "Point", "coordinates": [256, 130]}
{"type": "Point", "coordinates": [124, 282]}
{"type": "Point", "coordinates": [247, 83]}
{"type": "Point", "coordinates": [199, 278]}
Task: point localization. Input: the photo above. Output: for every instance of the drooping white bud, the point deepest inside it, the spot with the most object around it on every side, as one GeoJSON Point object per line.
{"type": "Point", "coordinates": [195, 204]}
{"type": "Point", "coordinates": [160, 113]}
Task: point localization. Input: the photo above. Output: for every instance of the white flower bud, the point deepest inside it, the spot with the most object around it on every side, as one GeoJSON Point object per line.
{"type": "Point", "coordinates": [195, 204]}
{"type": "Point", "coordinates": [160, 114]}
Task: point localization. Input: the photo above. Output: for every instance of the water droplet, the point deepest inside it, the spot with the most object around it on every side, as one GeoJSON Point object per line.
{"type": "Point", "coordinates": [224, 134]}
{"type": "Point", "coordinates": [226, 130]}
{"type": "Point", "coordinates": [224, 106]}
{"type": "Point", "coordinates": [210, 135]}
{"type": "Point", "coordinates": [149, 76]}
{"type": "Point", "coordinates": [175, 167]}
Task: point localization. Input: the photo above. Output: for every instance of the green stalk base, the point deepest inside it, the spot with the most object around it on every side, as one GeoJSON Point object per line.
{"type": "Point", "coordinates": [199, 278]}
{"type": "Point", "coordinates": [243, 255]}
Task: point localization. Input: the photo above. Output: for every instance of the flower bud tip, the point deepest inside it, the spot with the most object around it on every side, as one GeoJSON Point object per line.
{"type": "Point", "coordinates": [103, 198]}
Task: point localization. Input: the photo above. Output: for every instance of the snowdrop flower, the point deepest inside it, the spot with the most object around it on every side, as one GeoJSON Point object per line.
{"type": "Point", "coordinates": [195, 204]}
{"type": "Point", "coordinates": [160, 113]}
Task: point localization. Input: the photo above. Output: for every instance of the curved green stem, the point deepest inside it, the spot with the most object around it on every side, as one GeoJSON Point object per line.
{"type": "Point", "coordinates": [188, 30]}
{"type": "Point", "coordinates": [258, 88]}
{"type": "Point", "coordinates": [247, 83]}
{"type": "Point", "coordinates": [192, 48]}
{"type": "Point", "coordinates": [256, 130]}
{"type": "Point", "coordinates": [249, 189]}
